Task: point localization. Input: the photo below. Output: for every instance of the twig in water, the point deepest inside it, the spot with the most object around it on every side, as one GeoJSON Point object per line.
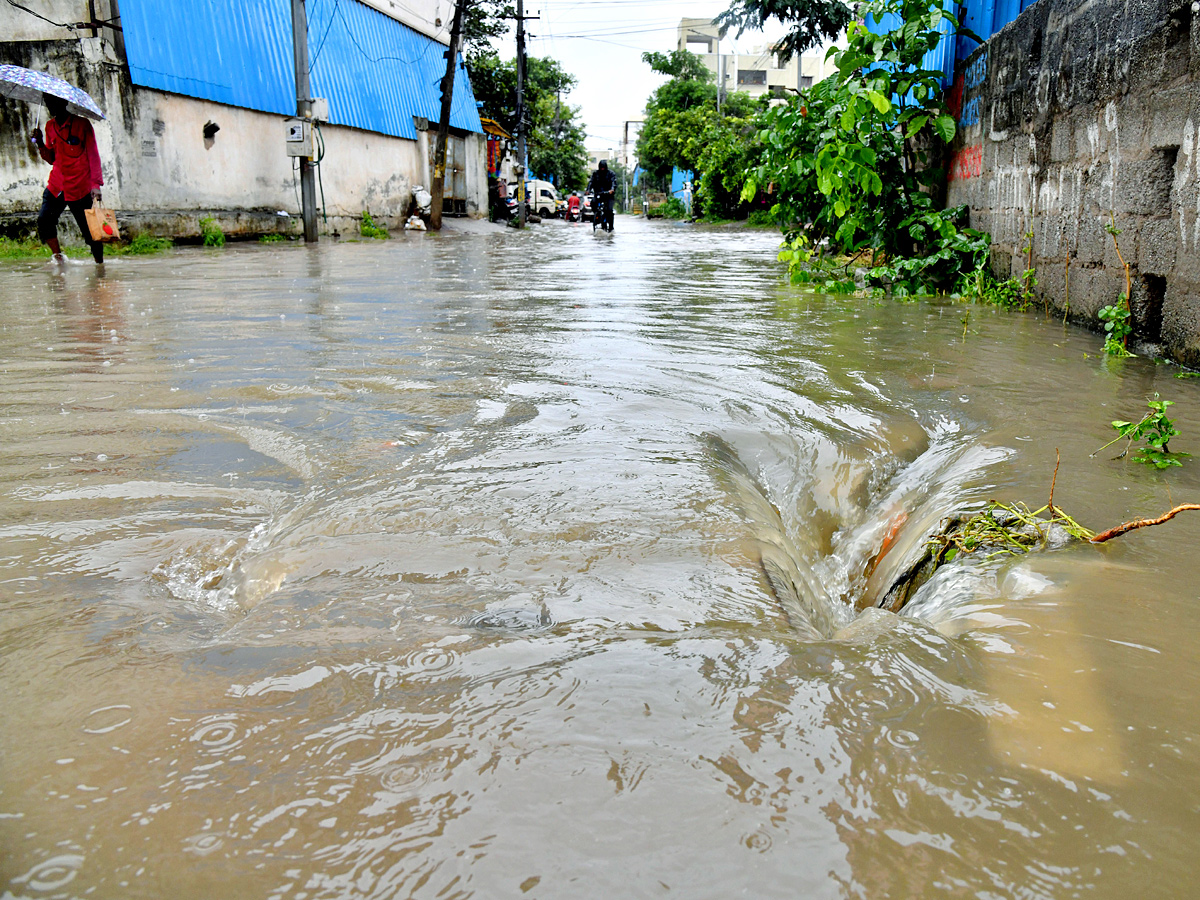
{"type": "Point", "coordinates": [1066, 288]}
{"type": "Point", "coordinates": [1141, 523]}
{"type": "Point", "coordinates": [1050, 502]}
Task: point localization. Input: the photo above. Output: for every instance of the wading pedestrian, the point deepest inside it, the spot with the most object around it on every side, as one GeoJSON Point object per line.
{"type": "Point", "coordinates": [75, 175]}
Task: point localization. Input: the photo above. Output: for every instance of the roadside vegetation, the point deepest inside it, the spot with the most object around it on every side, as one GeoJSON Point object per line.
{"type": "Point", "coordinates": [368, 228]}
{"type": "Point", "coordinates": [32, 248]}
{"type": "Point", "coordinates": [210, 233]}
{"type": "Point", "coordinates": [853, 164]}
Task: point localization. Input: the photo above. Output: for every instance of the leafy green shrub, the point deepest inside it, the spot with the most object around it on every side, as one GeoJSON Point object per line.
{"type": "Point", "coordinates": [761, 218]}
{"type": "Point", "coordinates": [211, 232]}
{"type": "Point", "coordinates": [674, 208]}
{"type": "Point", "coordinates": [271, 238]}
{"type": "Point", "coordinates": [368, 228]}
{"type": "Point", "coordinates": [856, 154]}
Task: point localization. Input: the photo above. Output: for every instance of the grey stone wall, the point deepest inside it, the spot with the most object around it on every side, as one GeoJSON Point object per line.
{"type": "Point", "coordinates": [1078, 113]}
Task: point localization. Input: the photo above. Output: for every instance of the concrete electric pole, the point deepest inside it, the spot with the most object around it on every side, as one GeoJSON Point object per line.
{"type": "Point", "coordinates": [521, 113]}
{"type": "Point", "coordinates": [308, 186]}
{"type": "Point", "coordinates": [438, 189]}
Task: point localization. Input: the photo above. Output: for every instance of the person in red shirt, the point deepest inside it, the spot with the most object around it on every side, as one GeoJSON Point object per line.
{"type": "Point", "coordinates": [75, 175]}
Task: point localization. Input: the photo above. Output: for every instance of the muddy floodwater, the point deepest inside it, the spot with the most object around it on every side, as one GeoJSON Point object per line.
{"type": "Point", "coordinates": [495, 565]}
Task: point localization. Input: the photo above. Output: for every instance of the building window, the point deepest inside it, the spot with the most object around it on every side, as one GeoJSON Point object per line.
{"type": "Point", "coordinates": [805, 81]}
{"type": "Point", "coordinates": [752, 76]}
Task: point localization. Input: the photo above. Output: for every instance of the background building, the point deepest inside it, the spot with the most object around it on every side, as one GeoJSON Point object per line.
{"type": "Point", "coordinates": [196, 94]}
{"type": "Point", "coordinates": [756, 73]}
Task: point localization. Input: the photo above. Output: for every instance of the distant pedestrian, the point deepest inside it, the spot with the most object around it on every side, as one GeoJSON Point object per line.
{"type": "Point", "coordinates": [687, 197]}
{"type": "Point", "coordinates": [75, 175]}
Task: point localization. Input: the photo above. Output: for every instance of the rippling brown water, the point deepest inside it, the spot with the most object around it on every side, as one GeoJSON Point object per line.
{"type": "Point", "coordinates": [452, 566]}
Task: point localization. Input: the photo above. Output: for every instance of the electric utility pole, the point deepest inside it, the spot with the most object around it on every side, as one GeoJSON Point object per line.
{"type": "Point", "coordinates": [520, 113]}
{"type": "Point", "coordinates": [558, 136]}
{"type": "Point", "coordinates": [308, 187]}
{"type": "Point", "coordinates": [438, 190]}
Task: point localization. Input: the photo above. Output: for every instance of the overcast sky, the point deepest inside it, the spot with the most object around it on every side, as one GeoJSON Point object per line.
{"type": "Point", "coordinates": [601, 43]}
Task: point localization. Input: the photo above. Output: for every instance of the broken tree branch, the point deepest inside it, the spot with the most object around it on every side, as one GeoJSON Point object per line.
{"type": "Point", "coordinates": [1141, 523]}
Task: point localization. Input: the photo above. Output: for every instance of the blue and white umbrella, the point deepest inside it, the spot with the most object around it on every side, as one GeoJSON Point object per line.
{"type": "Point", "coordinates": [25, 84]}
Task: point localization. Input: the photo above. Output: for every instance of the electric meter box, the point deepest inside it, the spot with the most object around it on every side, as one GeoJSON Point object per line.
{"type": "Point", "coordinates": [297, 134]}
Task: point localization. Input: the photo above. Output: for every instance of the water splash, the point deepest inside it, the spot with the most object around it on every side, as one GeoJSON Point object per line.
{"type": "Point", "coordinates": [822, 592]}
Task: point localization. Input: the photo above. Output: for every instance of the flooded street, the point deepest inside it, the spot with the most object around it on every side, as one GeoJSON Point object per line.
{"type": "Point", "coordinates": [486, 564]}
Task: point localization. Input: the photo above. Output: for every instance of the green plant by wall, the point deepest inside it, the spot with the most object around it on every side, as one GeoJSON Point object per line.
{"type": "Point", "coordinates": [857, 155]}
{"type": "Point", "coordinates": [1116, 327]}
{"type": "Point", "coordinates": [273, 238]}
{"type": "Point", "coordinates": [981, 286]}
{"type": "Point", "coordinates": [1118, 319]}
{"type": "Point", "coordinates": [368, 228]}
{"type": "Point", "coordinates": [1155, 430]}
{"type": "Point", "coordinates": [211, 232]}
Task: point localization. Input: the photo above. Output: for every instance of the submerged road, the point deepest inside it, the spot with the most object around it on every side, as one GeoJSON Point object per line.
{"type": "Point", "coordinates": [499, 565]}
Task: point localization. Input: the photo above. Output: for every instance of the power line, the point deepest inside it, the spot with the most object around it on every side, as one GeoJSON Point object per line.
{"type": "Point", "coordinates": [38, 15]}
{"type": "Point", "coordinates": [321, 46]}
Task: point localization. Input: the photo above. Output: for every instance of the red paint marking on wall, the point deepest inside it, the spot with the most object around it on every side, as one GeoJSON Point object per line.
{"type": "Point", "coordinates": [966, 163]}
{"type": "Point", "coordinates": [954, 97]}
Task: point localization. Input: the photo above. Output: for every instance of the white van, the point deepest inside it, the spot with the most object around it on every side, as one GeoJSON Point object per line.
{"type": "Point", "coordinates": [542, 198]}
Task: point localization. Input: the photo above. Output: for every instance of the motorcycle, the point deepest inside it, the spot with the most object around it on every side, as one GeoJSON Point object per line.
{"type": "Point", "coordinates": [603, 215]}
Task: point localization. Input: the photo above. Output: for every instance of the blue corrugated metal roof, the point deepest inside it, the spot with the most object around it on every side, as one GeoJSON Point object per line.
{"type": "Point", "coordinates": [376, 72]}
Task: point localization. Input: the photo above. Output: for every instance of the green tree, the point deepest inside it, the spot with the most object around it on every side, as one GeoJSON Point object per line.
{"type": "Point", "coordinates": [484, 20]}
{"type": "Point", "coordinates": [810, 22]}
{"type": "Point", "coordinates": [683, 130]}
{"type": "Point", "coordinates": [555, 134]}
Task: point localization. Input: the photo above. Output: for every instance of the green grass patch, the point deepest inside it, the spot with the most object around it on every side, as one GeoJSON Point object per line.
{"type": "Point", "coordinates": [271, 239]}
{"type": "Point", "coordinates": [32, 248]}
{"type": "Point", "coordinates": [143, 245]}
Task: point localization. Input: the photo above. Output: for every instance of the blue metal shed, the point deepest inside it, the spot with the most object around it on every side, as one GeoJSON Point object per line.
{"type": "Point", "coordinates": [377, 73]}
{"type": "Point", "coordinates": [984, 17]}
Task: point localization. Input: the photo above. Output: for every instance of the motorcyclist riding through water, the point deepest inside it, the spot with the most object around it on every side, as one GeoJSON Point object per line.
{"type": "Point", "coordinates": [603, 185]}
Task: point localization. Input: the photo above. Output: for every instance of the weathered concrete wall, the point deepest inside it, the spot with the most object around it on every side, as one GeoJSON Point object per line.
{"type": "Point", "coordinates": [1078, 111]}
{"type": "Point", "coordinates": [163, 175]}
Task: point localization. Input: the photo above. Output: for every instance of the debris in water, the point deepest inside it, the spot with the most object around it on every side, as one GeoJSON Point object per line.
{"type": "Point", "coordinates": [998, 529]}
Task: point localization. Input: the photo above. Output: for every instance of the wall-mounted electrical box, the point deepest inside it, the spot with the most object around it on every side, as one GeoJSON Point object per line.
{"type": "Point", "coordinates": [297, 134]}
{"type": "Point", "coordinates": [319, 107]}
